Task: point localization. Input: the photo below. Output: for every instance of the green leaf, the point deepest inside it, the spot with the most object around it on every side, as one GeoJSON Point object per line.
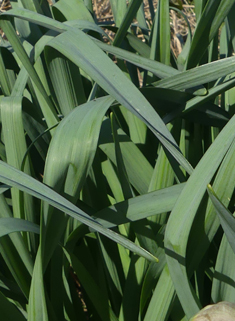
{"type": "Point", "coordinates": [129, 15]}
{"type": "Point", "coordinates": [72, 151]}
{"type": "Point", "coordinates": [118, 9]}
{"type": "Point", "coordinates": [20, 51]}
{"type": "Point", "coordinates": [10, 225]}
{"type": "Point", "coordinates": [157, 68]}
{"type": "Point", "coordinates": [37, 309]}
{"type": "Point", "coordinates": [226, 219]}
{"type": "Point", "coordinates": [131, 295]}
{"type": "Point", "coordinates": [74, 9]}
{"type": "Point", "coordinates": [9, 311]}
{"type": "Point", "coordinates": [134, 160]}
{"type": "Point", "coordinates": [108, 68]}
{"type": "Point", "coordinates": [69, 160]}
{"type": "Point", "coordinates": [177, 235]}
{"type": "Point", "coordinates": [223, 277]}
{"type": "Point", "coordinates": [160, 44]}
{"type": "Point", "coordinates": [199, 75]}
{"type": "Point", "coordinates": [67, 82]}
{"type": "Point", "coordinates": [140, 207]}
{"type": "Point", "coordinates": [159, 305]}
{"type": "Point", "coordinates": [108, 76]}
{"type": "Point", "coordinates": [211, 19]}
{"type": "Point", "coordinates": [13, 177]}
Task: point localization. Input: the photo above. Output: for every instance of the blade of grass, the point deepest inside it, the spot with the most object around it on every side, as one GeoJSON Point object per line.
{"type": "Point", "coordinates": [159, 305]}
{"type": "Point", "coordinates": [131, 296]}
{"type": "Point", "coordinates": [72, 10]}
{"type": "Point", "coordinates": [134, 160]}
{"type": "Point", "coordinates": [57, 26]}
{"type": "Point", "coordinates": [199, 75]}
{"type": "Point", "coordinates": [122, 174]}
{"type": "Point", "coordinates": [15, 253]}
{"type": "Point", "coordinates": [160, 44]}
{"type": "Point", "coordinates": [67, 83]}
{"type": "Point", "coordinates": [8, 77]}
{"type": "Point", "coordinates": [176, 237]}
{"type": "Point", "coordinates": [37, 309]}
{"type": "Point", "coordinates": [211, 19]}
{"type": "Point", "coordinates": [140, 207]}
{"type": "Point", "coordinates": [118, 9]}
{"type": "Point", "coordinates": [114, 265]}
{"type": "Point", "coordinates": [206, 228]}
{"type": "Point", "coordinates": [13, 38]}
{"type": "Point", "coordinates": [129, 15]}
{"type": "Point", "coordinates": [10, 225]}
{"type": "Point", "coordinates": [223, 278]}
{"type": "Point", "coordinates": [113, 180]}
{"type": "Point", "coordinates": [100, 67]}
{"type": "Point", "coordinates": [13, 177]}
{"type": "Point", "coordinates": [9, 311]}
{"type": "Point", "coordinates": [226, 218]}
{"type": "Point", "coordinates": [157, 68]}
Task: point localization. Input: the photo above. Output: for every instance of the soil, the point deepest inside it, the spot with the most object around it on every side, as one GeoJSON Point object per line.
{"type": "Point", "coordinates": [179, 28]}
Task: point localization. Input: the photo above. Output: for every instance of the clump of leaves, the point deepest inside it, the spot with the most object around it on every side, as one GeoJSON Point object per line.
{"type": "Point", "coordinates": [107, 149]}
